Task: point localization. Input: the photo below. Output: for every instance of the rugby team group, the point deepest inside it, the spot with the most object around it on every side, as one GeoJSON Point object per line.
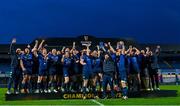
{"type": "Point", "coordinates": [105, 68]}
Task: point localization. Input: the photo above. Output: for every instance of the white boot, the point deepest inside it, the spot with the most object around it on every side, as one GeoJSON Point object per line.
{"type": "Point", "coordinates": [8, 92]}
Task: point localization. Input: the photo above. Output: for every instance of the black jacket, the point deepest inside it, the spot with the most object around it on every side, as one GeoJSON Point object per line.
{"type": "Point", "coordinates": [15, 58]}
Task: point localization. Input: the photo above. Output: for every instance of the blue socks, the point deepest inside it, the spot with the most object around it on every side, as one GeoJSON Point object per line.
{"type": "Point", "coordinates": [124, 91]}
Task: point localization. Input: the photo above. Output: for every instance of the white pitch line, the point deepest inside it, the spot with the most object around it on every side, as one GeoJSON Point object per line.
{"type": "Point", "coordinates": [95, 101]}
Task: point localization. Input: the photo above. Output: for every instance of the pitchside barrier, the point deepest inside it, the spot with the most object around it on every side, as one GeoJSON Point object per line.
{"type": "Point", "coordinates": [167, 76]}
{"type": "Point", "coordinates": [90, 95]}
{"type": "Point", "coordinates": [4, 80]}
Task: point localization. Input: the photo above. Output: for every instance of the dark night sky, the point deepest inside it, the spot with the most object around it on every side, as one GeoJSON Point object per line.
{"type": "Point", "coordinates": [152, 21]}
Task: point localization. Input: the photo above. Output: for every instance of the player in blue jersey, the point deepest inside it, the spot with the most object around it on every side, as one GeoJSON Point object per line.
{"type": "Point", "coordinates": [35, 66]}
{"type": "Point", "coordinates": [66, 62]}
{"type": "Point", "coordinates": [96, 70]}
{"type": "Point", "coordinates": [52, 67]}
{"type": "Point", "coordinates": [26, 63]}
{"type": "Point", "coordinates": [134, 71]}
{"type": "Point", "coordinates": [86, 62]}
{"type": "Point", "coordinates": [76, 83]}
{"type": "Point", "coordinates": [42, 68]}
{"type": "Point", "coordinates": [112, 52]}
{"type": "Point", "coordinates": [144, 73]}
{"type": "Point", "coordinates": [122, 71]}
{"type": "Point", "coordinates": [75, 72]}
{"type": "Point", "coordinates": [59, 71]}
{"type": "Point", "coordinates": [42, 74]}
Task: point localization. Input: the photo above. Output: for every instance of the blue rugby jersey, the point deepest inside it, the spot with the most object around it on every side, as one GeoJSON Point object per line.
{"type": "Point", "coordinates": [52, 60]}
{"type": "Point", "coordinates": [27, 60]}
{"type": "Point", "coordinates": [88, 61]}
{"type": "Point", "coordinates": [42, 62]}
{"type": "Point", "coordinates": [67, 62]}
{"type": "Point", "coordinates": [113, 56]}
{"type": "Point", "coordinates": [96, 63]}
{"type": "Point", "coordinates": [122, 62]}
{"type": "Point", "coordinates": [134, 64]}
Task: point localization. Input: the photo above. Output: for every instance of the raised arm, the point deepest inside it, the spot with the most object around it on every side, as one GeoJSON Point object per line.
{"type": "Point", "coordinates": [137, 51]}
{"type": "Point", "coordinates": [73, 47]}
{"type": "Point", "coordinates": [62, 60]}
{"type": "Point", "coordinates": [129, 49]}
{"type": "Point", "coordinates": [87, 49]}
{"type": "Point", "coordinates": [122, 47]}
{"type": "Point", "coordinates": [117, 45]}
{"type": "Point", "coordinates": [147, 50]}
{"type": "Point", "coordinates": [111, 48]}
{"type": "Point", "coordinates": [40, 45]}
{"type": "Point", "coordinates": [35, 46]}
{"type": "Point", "coordinates": [12, 46]}
{"type": "Point", "coordinates": [63, 49]}
{"type": "Point", "coordinates": [82, 61]}
{"type": "Point", "coordinates": [98, 49]}
{"type": "Point", "coordinates": [158, 50]}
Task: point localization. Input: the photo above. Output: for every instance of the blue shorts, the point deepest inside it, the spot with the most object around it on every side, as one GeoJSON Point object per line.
{"type": "Point", "coordinates": [65, 73]}
{"type": "Point", "coordinates": [52, 71]}
{"type": "Point", "coordinates": [97, 70]}
{"type": "Point", "coordinates": [76, 69]}
{"type": "Point", "coordinates": [15, 72]}
{"type": "Point", "coordinates": [42, 72]}
{"type": "Point", "coordinates": [28, 71]}
{"type": "Point", "coordinates": [123, 75]}
{"type": "Point", "coordinates": [86, 74]}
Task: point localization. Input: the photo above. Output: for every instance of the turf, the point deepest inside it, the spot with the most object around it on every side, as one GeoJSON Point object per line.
{"type": "Point", "coordinates": [130, 101]}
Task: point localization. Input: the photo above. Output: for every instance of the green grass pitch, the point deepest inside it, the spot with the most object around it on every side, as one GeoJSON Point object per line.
{"type": "Point", "coordinates": [102, 102]}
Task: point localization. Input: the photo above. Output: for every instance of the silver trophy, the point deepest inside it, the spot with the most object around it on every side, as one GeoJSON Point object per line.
{"type": "Point", "coordinates": [86, 42]}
